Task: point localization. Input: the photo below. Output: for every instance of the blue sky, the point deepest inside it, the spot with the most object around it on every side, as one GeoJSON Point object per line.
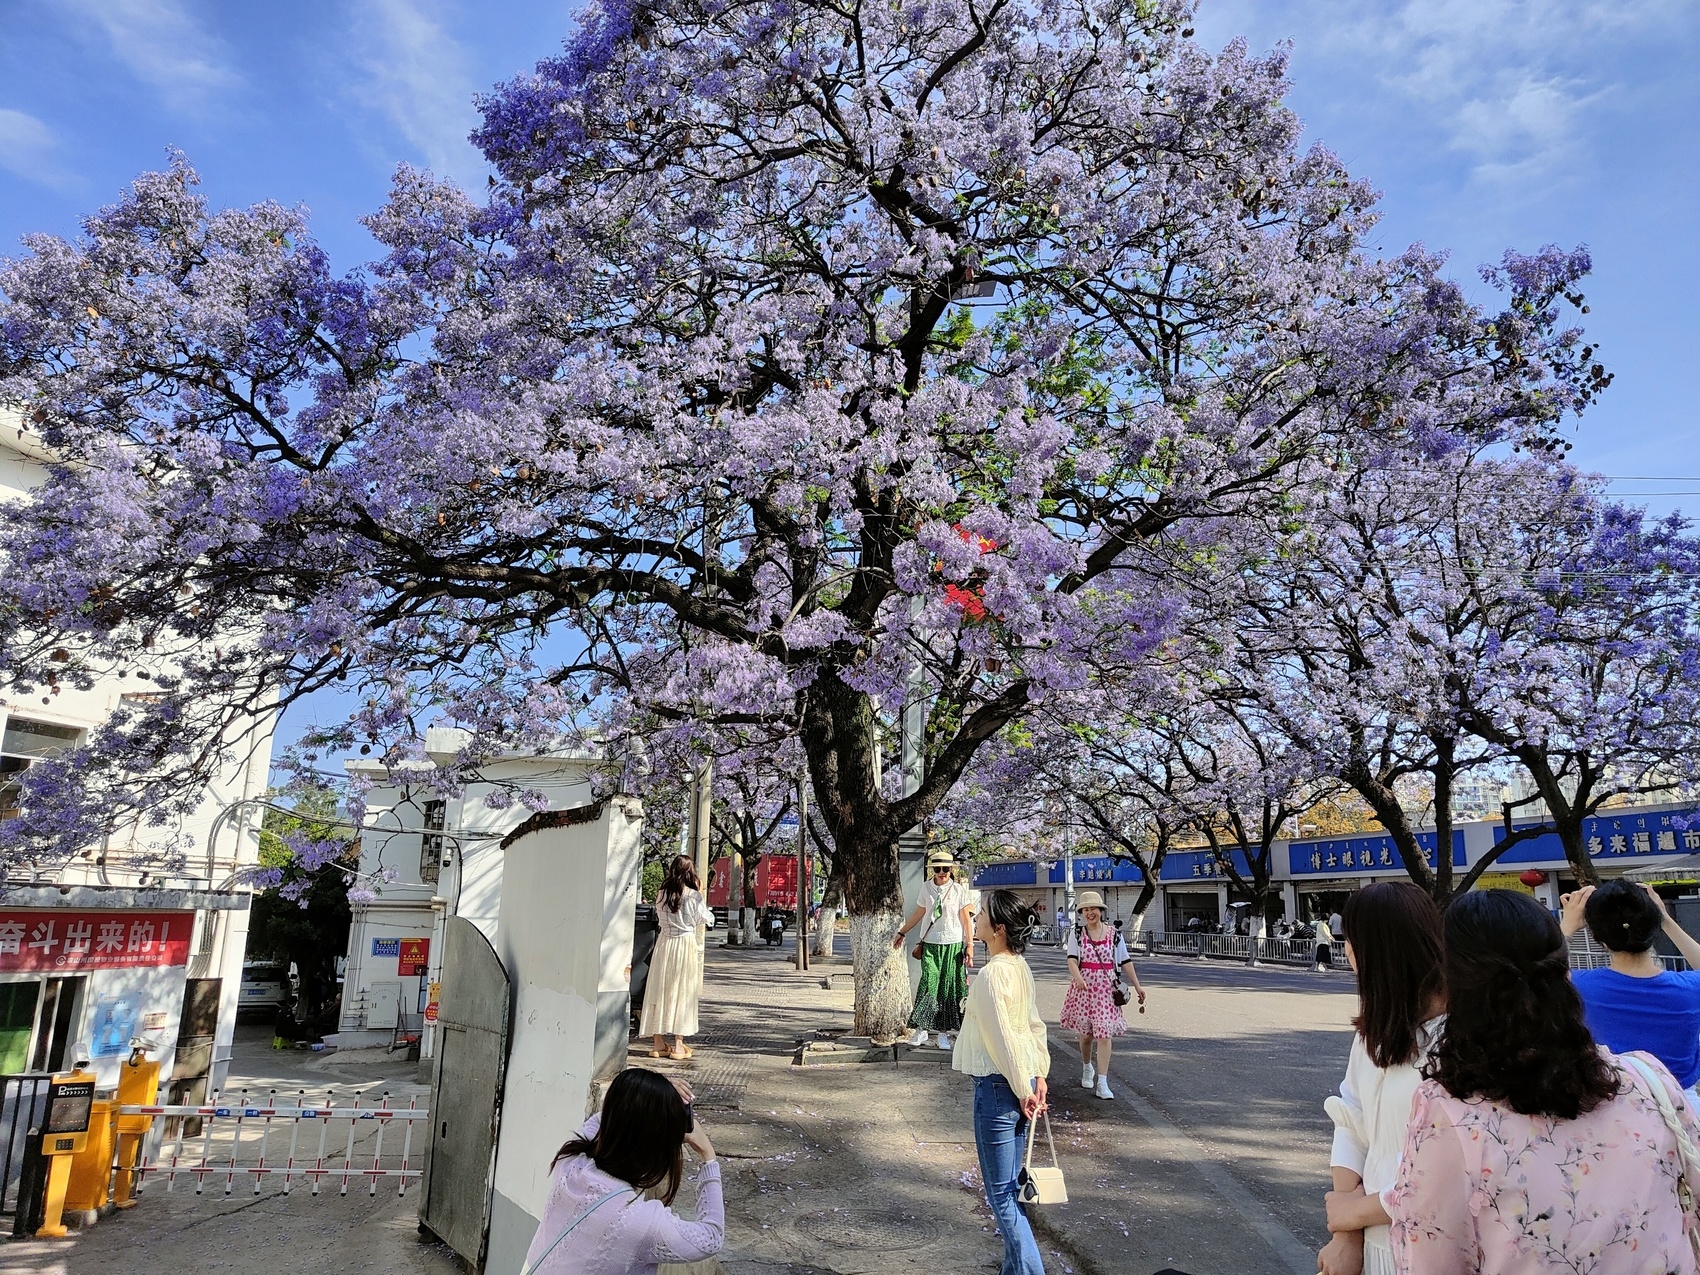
{"type": "Point", "coordinates": [1487, 124]}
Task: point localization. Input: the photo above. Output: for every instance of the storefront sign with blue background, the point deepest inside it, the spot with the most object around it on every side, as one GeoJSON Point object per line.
{"type": "Point", "coordinates": [1363, 854]}
{"type": "Point", "coordinates": [1089, 870]}
{"type": "Point", "coordinates": [993, 876]}
{"type": "Point", "coordinates": [1098, 869]}
{"type": "Point", "coordinates": [1614, 836]}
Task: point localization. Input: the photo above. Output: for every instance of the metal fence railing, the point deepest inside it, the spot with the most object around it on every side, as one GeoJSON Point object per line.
{"type": "Point", "coordinates": [23, 1106]}
{"type": "Point", "coordinates": [1236, 947]}
{"type": "Point", "coordinates": [1585, 954]}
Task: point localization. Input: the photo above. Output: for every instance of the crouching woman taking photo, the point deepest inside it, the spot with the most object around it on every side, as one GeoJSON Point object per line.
{"type": "Point", "coordinates": [1002, 1045]}
{"type": "Point", "coordinates": [598, 1220]}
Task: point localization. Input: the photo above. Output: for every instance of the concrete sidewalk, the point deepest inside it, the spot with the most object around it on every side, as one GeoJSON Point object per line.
{"type": "Point", "coordinates": [870, 1168]}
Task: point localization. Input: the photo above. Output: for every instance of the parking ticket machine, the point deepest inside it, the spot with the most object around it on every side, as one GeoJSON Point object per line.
{"type": "Point", "coordinates": [70, 1103]}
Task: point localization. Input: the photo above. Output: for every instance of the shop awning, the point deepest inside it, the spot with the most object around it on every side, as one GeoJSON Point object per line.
{"type": "Point", "coordinates": [1683, 871]}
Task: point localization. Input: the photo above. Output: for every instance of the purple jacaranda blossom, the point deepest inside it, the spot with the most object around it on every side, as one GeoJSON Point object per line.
{"type": "Point", "coordinates": [687, 411]}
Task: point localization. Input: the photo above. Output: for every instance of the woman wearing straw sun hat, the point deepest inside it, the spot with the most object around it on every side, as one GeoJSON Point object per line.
{"type": "Point", "coordinates": [946, 946]}
{"type": "Point", "coordinates": [1095, 953]}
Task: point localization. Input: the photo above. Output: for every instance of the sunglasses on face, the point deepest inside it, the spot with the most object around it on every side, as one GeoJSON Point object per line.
{"type": "Point", "coordinates": [941, 872]}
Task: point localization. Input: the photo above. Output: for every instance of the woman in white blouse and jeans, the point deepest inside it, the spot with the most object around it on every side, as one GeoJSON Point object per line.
{"type": "Point", "coordinates": [1002, 1045]}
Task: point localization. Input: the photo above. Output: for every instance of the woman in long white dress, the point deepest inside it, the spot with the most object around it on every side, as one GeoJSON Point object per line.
{"type": "Point", "coordinates": [675, 970]}
{"type": "Point", "coordinates": [1394, 944]}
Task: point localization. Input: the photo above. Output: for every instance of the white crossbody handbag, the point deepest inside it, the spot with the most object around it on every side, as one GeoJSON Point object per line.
{"type": "Point", "coordinates": [1041, 1184]}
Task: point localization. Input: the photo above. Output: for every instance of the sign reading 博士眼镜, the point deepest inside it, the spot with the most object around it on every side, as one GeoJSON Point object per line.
{"type": "Point", "coordinates": [62, 941]}
{"type": "Point", "coordinates": [1369, 852]}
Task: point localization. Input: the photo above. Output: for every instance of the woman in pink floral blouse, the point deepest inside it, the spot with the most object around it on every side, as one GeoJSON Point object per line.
{"type": "Point", "coordinates": [1531, 1149]}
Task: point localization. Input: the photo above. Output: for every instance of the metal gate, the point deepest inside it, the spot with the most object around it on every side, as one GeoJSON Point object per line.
{"type": "Point", "coordinates": [466, 1092]}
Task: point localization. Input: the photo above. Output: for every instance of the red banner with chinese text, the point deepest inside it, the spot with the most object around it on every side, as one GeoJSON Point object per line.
{"type": "Point", "coordinates": [64, 942]}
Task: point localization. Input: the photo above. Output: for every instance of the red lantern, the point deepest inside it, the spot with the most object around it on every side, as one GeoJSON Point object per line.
{"type": "Point", "coordinates": [1532, 877]}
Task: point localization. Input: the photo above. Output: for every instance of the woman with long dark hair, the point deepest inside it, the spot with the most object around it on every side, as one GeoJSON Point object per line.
{"type": "Point", "coordinates": [1002, 1045]}
{"type": "Point", "coordinates": [1530, 1148]}
{"type": "Point", "coordinates": [598, 1219]}
{"type": "Point", "coordinates": [675, 970]}
{"type": "Point", "coordinates": [1394, 946]}
{"type": "Point", "coordinates": [1635, 1002]}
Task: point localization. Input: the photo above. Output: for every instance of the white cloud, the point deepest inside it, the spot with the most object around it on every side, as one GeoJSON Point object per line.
{"type": "Point", "coordinates": [161, 43]}
{"type": "Point", "coordinates": [1515, 87]}
{"type": "Point", "coordinates": [27, 149]}
{"type": "Point", "coordinates": [418, 77]}
{"type": "Point", "coordinates": [1511, 83]}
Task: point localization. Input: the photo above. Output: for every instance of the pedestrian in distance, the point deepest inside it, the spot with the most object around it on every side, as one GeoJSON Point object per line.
{"type": "Point", "coordinates": [945, 950]}
{"type": "Point", "coordinates": [675, 970]}
{"type": "Point", "coordinates": [1531, 1148]}
{"type": "Point", "coordinates": [1636, 1003]}
{"type": "Point", "coordinates": [598, 1219]}
{"type": "Point", "coordinates": [1395, 946]}
{"type": "Point", "coordinates": [1095, 954]}
{"type": "Point", "coordinates": [1324, 944]}
{"type": "Point", "coordinates": [1003, 1046]}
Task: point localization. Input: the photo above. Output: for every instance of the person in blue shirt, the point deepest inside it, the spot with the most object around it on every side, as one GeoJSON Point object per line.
{"type": "Point", "coordinates": [1635, 1002]}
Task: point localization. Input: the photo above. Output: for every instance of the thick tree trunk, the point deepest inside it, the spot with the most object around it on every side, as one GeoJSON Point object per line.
{"type": "Point", "coordinates": [749, 896]}
{"type": "Point", "coordinates": [826, 930]}
{"type": "Point", "coordinates": [881, 971]}
{"type": "Point", "coordinates": [840, 737]}
{"type": "Point", "coordinates": [1384, 802]}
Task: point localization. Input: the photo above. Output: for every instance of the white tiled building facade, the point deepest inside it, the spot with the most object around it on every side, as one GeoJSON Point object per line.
{"type": "Point", "coordinates": [102, 949]}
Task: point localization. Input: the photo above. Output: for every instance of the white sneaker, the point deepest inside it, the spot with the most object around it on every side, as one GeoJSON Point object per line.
{"type": "Point", "coordinates": [918, 1038]}
{"type": "Point", "coordinates": [1087, 1075]}
{"type": "Point", "coordinates": [1103, 1089]}
{"type": "Point", "coordinates": [944, 1040]}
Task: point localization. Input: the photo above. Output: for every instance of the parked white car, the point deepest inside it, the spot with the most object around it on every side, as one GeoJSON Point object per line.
{"type": "Point", "coordinates": [265, 986]}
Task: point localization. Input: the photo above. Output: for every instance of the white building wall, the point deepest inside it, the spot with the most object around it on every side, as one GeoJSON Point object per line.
{"type": "Point", "coordinates": [568, 900]}
{"type": "Point", "coordinates": [469, 883]}
{"type": "Point", "coordinates": [130, 858]}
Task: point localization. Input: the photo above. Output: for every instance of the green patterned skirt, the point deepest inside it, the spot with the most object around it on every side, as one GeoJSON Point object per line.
{"type": "Point", "coordinates": [944, 986]}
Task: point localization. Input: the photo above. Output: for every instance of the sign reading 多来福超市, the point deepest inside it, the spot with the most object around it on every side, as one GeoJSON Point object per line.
{"type": "Point", "coordinates": [62, 941]}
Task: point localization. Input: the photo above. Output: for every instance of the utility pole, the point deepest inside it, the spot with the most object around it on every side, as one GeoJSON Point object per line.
{"type": "Point", "coordinates": [702, 790]}
{"type": "Point", "coordinates": [805, 895]}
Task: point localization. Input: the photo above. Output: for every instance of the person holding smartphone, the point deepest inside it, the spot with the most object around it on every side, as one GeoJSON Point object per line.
{"type": "Point", "coordinates": [598, 1219]}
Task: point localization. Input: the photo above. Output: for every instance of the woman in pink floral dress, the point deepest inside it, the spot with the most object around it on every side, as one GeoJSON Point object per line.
{"type": "Point", "coordinates": [1095, 953]}
{"type": "Point", "coordinates": [1531, 1149]}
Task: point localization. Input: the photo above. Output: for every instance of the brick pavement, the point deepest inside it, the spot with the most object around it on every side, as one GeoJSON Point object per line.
{"type": "Point", "coordinates": [866, 1169]}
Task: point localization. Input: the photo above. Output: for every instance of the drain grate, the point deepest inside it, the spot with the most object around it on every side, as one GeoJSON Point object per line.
{"type": "Point", "coordinates": [867, 1228]}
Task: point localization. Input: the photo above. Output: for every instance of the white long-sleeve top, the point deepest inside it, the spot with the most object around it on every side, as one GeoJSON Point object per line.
{"type": "Point", "coordinates": [693, 911]}
{"type": "Point", "coordinates": [1370, 1117]}
{"type": "Point", "coordinates": [1002, 1033]}
{"type": "Point", "coordinates": [626, 1235]}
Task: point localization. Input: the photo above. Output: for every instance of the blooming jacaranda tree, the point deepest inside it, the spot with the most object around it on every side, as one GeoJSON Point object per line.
{"type": "Point", "coordinates": [802, 361]}
{"type": "Point", "coordinates": [1473, 611]}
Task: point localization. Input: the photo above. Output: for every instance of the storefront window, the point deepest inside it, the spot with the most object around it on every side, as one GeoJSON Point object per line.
{"type": "Point", "coordinates": [17, 1024]}
{"type": "Point", "coordinates": [1193, 910]}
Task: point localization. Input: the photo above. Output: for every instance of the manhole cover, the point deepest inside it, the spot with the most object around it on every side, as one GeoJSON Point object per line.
{"type": "Point", "coordinates": [867, 1228]}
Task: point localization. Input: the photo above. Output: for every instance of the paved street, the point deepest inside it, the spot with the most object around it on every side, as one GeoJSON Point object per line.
{"type": "Point", "coordinates": [1212, 1159]}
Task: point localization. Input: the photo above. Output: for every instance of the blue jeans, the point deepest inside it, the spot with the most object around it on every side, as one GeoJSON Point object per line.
{"type": "Point", "coordinates": [1000, 1136]}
